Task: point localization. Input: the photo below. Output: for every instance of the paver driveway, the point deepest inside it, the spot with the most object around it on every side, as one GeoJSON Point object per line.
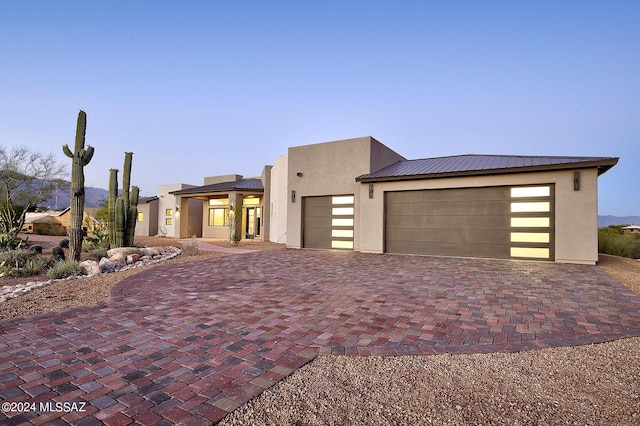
{"type": "Point", "coordinates": [191, 342]}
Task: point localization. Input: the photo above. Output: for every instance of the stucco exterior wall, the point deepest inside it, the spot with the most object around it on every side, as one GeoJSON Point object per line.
{"type": "Point", "coordinates": [149, 225]}
{"type": "Point", "coordinates": [576, 236]}
{"type": "Point", "coordinates": [330, 169]}
{"type": "Point", "coordinates": [278, 202]}
{"type": "Point", "coordinates": [169, 201]}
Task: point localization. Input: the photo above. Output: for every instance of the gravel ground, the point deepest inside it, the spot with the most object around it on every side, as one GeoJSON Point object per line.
{"type": "Point", "coordinates": [595, 384]}
{"type": "Point", "coordinates": [590, 385]}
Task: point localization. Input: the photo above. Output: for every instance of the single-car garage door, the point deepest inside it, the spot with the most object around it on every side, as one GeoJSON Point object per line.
{"type": "Point", "coordinates": [494, 222]}
{"type": "Point", "coordinates": [328, 222]}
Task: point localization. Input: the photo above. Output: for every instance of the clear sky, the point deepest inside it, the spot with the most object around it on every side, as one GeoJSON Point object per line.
{"type": "Point", "coordinates": [202, 88]}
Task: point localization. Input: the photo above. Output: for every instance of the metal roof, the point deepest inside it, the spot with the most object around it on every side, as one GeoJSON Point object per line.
{"type": "Point", "coordinates": [251, 184]}
{"type": "Point", "coordinates": [473, 164]}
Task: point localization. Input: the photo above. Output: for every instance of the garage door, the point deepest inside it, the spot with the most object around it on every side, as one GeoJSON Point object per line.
{"type": "Point", "coordinates": [494, 222]}
{"type": "Point", "coordinates": [328, 222]}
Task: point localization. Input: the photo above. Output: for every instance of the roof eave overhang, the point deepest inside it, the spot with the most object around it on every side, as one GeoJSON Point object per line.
{"type": "Point", "coordinates": [219, 192]}
{"type": "Point", "coordinates": [602, 166]}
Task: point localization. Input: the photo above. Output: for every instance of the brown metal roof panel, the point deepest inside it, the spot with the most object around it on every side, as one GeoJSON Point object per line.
{"type": "Point", "coordinates": [482, 164]}
{"type": "Point", "coordinates": [243, 184]}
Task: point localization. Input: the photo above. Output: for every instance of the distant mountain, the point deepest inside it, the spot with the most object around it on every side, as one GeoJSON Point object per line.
{"type": "Point", "coordinates": [61, 199]}
{"type": "Point", "coordinates": [618, 220]}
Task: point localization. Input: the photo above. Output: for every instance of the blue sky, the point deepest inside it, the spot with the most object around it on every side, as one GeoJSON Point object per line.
{"type": "Point", "coordinates": [197, 89]}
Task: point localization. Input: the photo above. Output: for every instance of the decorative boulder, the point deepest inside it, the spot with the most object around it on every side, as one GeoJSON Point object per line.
{"type": "Point", "coordinates": [149, 251]}
{"type": "Point", "coordinates": [119, 258]}
{"type": "Point", "coordinates": [90, 267]}
{"type": "Point", "coordinates": [126, 251]}
{"type": "Point", "coordinates": [107, 265]}
{"type": "Point", "coordinates": [133, 258]}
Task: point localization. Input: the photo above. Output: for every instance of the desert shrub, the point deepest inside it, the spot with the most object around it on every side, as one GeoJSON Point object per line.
{"type": "Point", "coordinates": [99, 252]}
{"type": "Point", "coordinates": [64, 269]}
{"type": "Point", "coordinates": [612, 241]}
{"type": "Point", "coordinates": [11, 241]}
{"type": "Point", "coordinates": [97, 234]}
{"type": "Point", "coordinates": [57, 253]}
{"type": "Point", "coordinates": [191, 248]}
{"type": "Point", "coordinates": [20, 263]}
{"type": "Point", "coordinates": [64, 243]}
{"type": "Point", "coordinates": [37, 249]}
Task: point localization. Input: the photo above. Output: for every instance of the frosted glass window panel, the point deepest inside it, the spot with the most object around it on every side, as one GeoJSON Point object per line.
{"type": "Point", "coordinates": [531, 207]}
{"type": "Point", "coordinates": [531, 252]}
{"type": "Point", "coordinates": [530, 191]}
{"type": "Point", "coordinates": [342, 233]}
{"type": "Point", "coordinates": [342, 211]}
{"type": "Point", "coordinates": [529, 237]}
{"type": "Point", "coordinates": [343, 199]}
{"type": "Point", "coordinates": [530, 222]}
{"type": "Point", "coordinates": [342, 244]}
{"type": "Point", "coordinates": [341, 222]}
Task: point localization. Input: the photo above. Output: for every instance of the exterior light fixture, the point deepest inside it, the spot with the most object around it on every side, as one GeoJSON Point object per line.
{"type": "Point", "coordinates": [299, 174]}
{"type": "Point", "coordinates": [576, 181]}
{"type": "Point", "coordinates": [293, 195]}
{"type": "Point", "coordinates": [177, 209]}
{"type": "Point", "coordinates": [370, 190]}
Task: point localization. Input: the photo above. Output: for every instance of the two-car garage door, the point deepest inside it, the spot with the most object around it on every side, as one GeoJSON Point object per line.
{"type": "Point", "coordinates": [494, 222]}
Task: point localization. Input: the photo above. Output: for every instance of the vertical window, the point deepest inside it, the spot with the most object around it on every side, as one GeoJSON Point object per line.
{"type": "Point", "coordinates": [217, 217]}
{"type": "Point", "coordinates": [168, 221]}
{"type": "Point", "coordinates": [140, 217]}
{"type": "Point", "coordinates": [168, 212]}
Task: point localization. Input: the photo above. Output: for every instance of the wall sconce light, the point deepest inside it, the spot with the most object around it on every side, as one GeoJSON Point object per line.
{"type": "Point", "coordinates": [576, 181]}
{"type": "Point", "coordinates": [370, 190]}
{"type": "Point", "coordinates": [177, 209]}
{"type": "Point", "coordinates": [293, 195]}
{"type": "Point", "coordinates": [299, 174]}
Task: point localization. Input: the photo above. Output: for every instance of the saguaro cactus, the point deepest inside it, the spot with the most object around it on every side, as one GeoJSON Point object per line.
{"type": "Point", "coordinates": [80, 158]}
{"type": "Point", "coordinates": [123, 210]}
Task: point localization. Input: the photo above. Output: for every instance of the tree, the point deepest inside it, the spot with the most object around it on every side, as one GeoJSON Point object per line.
{"type": "Point", "coordinates": [27, 178]}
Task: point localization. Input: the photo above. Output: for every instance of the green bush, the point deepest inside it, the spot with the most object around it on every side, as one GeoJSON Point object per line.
{"type": "Point", "coordinates": [20, 263]}
{"type": "Point", "coordinates": [64, 269]}
{"type": "Point", "coordinates": [612, 241]}
{"type": "Point", "coordinates": [11, 241]}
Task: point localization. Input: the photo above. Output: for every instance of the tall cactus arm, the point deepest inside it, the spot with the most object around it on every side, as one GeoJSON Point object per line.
{"type": "Point", "coordinates": [135, 195]}
{"type": "Point", "coordinates": [88, 155]}
{"type": "Point", "coordinates": [67, 151]}
{"type": "Point", "coordinates": [111, 205]}
{"type": "Point", "coordinates": [132, 216]}
{"type": "Point", "coordinates": [81, 130]}
{"type": "Point", "coordinates": [120, 223]}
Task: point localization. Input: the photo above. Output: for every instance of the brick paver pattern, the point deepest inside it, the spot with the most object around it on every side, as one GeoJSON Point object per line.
{"type": "Point", "coordinates": [189, 343]}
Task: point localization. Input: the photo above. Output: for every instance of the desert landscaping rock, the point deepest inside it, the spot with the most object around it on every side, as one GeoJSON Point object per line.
{"type": "Point", "coordinates": [118, 261]}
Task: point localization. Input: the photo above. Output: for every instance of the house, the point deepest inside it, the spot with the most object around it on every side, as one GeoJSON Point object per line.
{"type": "Point", "coordinates": [631, 229]}
{"type": "Point", "coordinates": [157, 215]}
{"type": "Point", "coordinates": [52, 223]}
{"type": "Point", "coordinates": [358, 194]}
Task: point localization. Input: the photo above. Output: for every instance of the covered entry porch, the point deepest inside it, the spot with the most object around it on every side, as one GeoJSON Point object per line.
{"type": "Point", "coordinates": [231, 209]}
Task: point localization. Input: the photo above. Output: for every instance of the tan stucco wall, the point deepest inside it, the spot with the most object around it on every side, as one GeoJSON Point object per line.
{"type": "Point", "coordinates": [278, 201]}
{"type": "Point", "coordinates": [576, 220]}
{"type": "Point", "coordinates": [170, 201]}
{"type": "Point", "coordinates": [330, 169]}
{"type": "Point", "coordinates": [149, 225]}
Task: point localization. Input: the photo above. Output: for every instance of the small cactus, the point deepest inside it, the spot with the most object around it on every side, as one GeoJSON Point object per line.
{"type": "Point", "coordinates": [58, 253]}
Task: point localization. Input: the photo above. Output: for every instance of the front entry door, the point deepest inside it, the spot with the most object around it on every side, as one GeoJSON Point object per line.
{"type": "Point", "coordinates": [252, 227]}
